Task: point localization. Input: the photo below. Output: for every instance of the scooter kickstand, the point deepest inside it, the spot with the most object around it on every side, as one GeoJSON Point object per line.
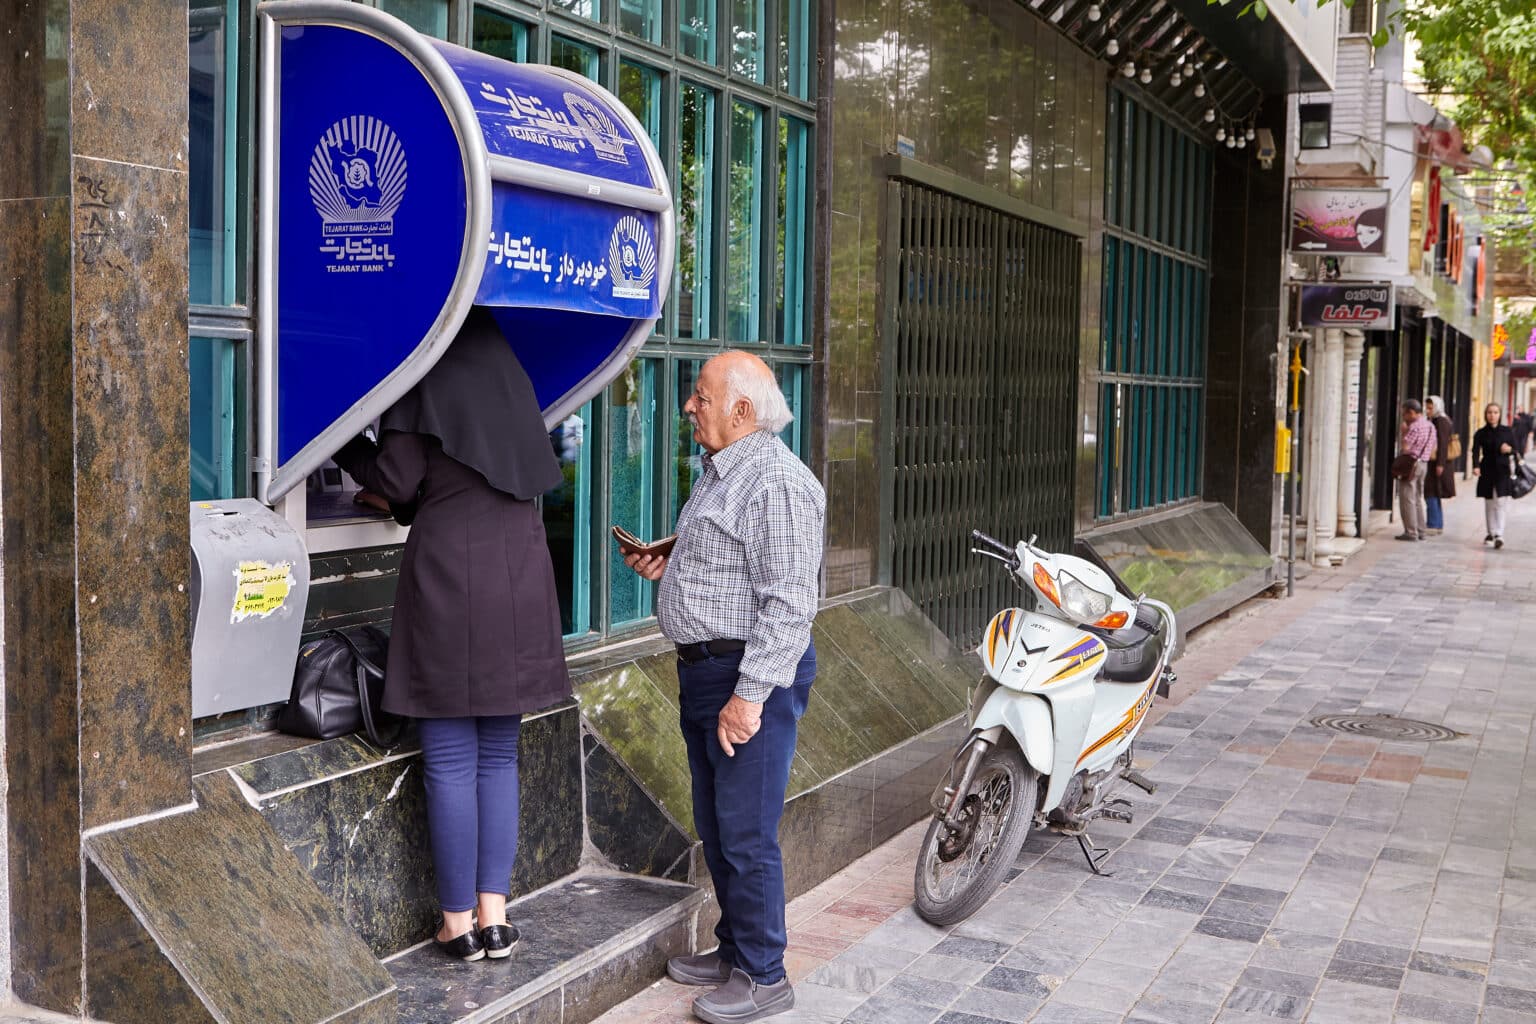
{"type": "Point", "coordinates": [1095, 855]}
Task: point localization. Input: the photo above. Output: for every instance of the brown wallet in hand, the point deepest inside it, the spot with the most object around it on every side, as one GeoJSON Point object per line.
{"type": "Point", "coordinates": [629, 544]}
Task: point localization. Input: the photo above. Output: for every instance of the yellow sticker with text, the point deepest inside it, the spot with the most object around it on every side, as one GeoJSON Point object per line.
{"type": "Point", "coordinates": [261, 588]}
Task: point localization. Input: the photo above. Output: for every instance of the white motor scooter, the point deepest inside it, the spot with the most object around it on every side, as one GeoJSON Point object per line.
{"type": "Point", "coordinates": [1066, 689]}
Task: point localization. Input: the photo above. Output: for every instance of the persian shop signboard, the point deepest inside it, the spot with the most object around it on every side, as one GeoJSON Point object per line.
{"type": "Point", "coordinates": [1339, 221]}
{"type": "Point", "coordinates": [1360, 305]}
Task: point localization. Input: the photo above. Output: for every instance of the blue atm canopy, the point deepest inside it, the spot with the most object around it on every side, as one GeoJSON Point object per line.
{"type": "Point", "coordinates": [403, 180]}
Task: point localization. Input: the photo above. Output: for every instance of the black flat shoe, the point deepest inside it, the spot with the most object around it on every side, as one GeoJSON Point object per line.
{"type": "Point", "coordinates": [467, 947]}
{"type": "Point", "coordinates": [499, 939]}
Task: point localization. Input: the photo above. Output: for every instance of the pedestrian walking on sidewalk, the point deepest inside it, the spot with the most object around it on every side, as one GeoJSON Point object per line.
{"type": "Point", "coordinates": [1521, 424]}
{"type": "Point", "coordinates": [1419, 443]}
{"type": "Point", "coordinates": [1492, 451]}
{"type": "Point", "coordinates": [1440, 476]}
{"type": "Point", "coordinates": [738, 594]}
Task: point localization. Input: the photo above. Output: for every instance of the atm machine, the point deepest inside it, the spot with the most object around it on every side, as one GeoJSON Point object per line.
{"type": "Point", "coordinates": [402, 181]}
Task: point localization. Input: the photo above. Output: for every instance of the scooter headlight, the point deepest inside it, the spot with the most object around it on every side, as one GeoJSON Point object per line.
{"type": "Point", "coordinates": [1079, 600]}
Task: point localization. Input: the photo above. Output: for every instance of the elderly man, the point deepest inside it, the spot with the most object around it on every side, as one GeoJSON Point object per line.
{"type": "Point", "coordinates": [1419, 443]}
{"type": "Point", "coordinates": [737, 597]}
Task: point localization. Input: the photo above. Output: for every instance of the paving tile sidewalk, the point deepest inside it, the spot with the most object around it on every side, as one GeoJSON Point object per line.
{"type": "Point", "coordinates": [1281, 871]}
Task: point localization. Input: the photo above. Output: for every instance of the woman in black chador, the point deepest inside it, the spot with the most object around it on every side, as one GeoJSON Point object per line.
{"type": "Point", "coordinates": [1492, 447]}
{"type": "Point", "coordinates": [476, 636]}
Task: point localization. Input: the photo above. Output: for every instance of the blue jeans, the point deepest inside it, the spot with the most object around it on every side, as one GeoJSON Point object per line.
{"type": "Point", "coordinates": [737, 803]}
{"type": "Point", "coordinates": [1434, 514]}
{"type": "Point", "coordinates": [471, 776]}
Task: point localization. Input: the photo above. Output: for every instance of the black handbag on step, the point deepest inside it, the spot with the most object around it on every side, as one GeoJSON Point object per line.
{"type": "Point", "coordinates": [338, 685]}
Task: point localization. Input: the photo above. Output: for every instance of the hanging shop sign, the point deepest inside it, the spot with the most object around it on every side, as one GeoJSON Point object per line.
{"type": "Point", "coordinates": [1339, 221]}
{"type": "Point", "coordinates": [1362, 305]}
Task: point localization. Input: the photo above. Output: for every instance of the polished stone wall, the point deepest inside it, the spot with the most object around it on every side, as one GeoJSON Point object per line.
{"type": "Point", "coordinates": [986, 90]}
{"type": "Point", "coordinates": [355, 818]}
{"type": "Point", "coordinates": [885, 717]}
{"type": "Point", "coordinates": [238, 928]}
{"type": "Point", "coordinates": [93, 450]}
{"type": "Point", "coordinates": [1242, 400]}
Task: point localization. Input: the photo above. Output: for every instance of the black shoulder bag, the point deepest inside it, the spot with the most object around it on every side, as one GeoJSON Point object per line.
{"type": "Point", "coordinates": [338, 684]}
{"type": "Point", "coordinates": [1522, 477]}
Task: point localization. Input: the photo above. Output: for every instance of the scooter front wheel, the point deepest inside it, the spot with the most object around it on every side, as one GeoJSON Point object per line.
{"type": "Point", "coordinates": [960, 866]}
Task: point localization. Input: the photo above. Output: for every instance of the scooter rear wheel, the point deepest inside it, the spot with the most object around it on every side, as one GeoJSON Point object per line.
{"type": "Point", "coordinates": [958, 869]}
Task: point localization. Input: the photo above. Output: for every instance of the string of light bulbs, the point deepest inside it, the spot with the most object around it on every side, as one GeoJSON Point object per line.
{"type": "Point", "coordinates": [1235, 131]}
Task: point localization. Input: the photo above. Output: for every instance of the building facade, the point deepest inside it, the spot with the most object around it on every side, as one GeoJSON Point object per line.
{"type": "Point", "coordinates": [1014, 264]}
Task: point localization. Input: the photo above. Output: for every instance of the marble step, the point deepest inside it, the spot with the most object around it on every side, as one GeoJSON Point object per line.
{"type": "Point", "coordinates": [588, 942]}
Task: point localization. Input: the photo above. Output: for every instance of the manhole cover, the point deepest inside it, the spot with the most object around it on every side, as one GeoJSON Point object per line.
{"type": "Point", "coordinates": [1386, 727]}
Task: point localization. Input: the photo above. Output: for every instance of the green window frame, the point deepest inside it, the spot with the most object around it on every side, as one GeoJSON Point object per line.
{"type": "Point", "coordinates": [1151, 375]}
{"type": "Point", "coordinates": [745, 225]}
{"type": "Point", "coordinates": [734, 120]}
{"type": "Point", "coordinates": [218, 164]}
{"type": "Point", "coordinates": [429, 17]}
{"type": "Point", "coordinates": [219, 160]}
{"type": "Point", "coordinates": [218, 358]}
{"type": "Point", "coordinates": [692, 300]}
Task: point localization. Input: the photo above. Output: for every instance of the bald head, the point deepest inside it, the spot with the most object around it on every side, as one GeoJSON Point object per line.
{"type": "Point", "coordinates": [736, 395]}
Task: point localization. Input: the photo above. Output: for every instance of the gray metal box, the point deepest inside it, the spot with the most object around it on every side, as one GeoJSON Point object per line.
{"type": "Point", "coordinates": [250, 583]}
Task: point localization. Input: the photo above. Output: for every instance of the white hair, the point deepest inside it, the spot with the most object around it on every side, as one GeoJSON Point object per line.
{"type": "Point", "coordinates": [758, 387]}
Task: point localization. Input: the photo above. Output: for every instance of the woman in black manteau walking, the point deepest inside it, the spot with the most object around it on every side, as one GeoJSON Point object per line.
{"type": "Point", "coordinates": [1493, 449]}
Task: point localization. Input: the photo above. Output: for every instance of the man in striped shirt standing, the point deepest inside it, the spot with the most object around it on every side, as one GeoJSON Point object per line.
{"type": "Point", "coordinates": [738, 594]}
{"type": "Point", "coordinates": [1418, 441]}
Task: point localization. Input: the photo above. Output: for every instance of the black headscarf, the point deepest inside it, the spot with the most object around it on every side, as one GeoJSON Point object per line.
{"type": "Point", "coordinates": [478, 401]}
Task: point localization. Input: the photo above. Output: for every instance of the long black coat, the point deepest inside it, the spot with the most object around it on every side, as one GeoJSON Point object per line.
{"type": "Point", "coordinates": [476, 624]}
{"type": "Point", "coordinates": [1440, 478]}
{"type": "Point", "coordinates": [1493, 465]}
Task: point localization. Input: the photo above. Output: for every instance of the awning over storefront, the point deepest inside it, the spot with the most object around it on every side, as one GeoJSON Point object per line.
{"type": "Point", "coordinates": [403, 180]}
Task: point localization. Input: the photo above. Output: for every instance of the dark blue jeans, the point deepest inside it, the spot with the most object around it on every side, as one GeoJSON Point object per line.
{"type": "Point", "coordinates": [737, 803]}
{"type": "Point", "coordinates": [470, 767]}
{"type": "Point", "coordinates": [1434, 512]}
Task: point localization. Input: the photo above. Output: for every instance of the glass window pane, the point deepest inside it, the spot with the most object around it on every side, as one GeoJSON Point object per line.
{"type": "Point", "coordinates": [428, 16]}
{"type": "Point", "coordinates": [747, 34]}
{"type": "Point", "coordinates": [744, 240]}
{"type": "Point", "coordinates": [568, 521]}
{"type": "Point", "coordinates": [696, 29]}
{"type": "Point", "coordinates": [215, 140]}
{"type": "Point", "coordinates": [695, 213]}
{"type": "Point", "coordinates": [641, 18]}
{"type": "Point", "coordinates": [686, 452]}
{"type": "Point", "coordinates": [792, 383]}
{"type": "Point", "coordinates": [585, 60]}
{"type": "Point", "coordinates": [790, 272]}
{"type": "Point", "coordinates": [794, 47]}
{"type": "Point", "coordinates": [592, 9]}
{"type": "Point", "coordinates": [640, 91]}
{"type": "Point", "coordinates": [500, 36]}
{"type": "Point", "coordinates": [218, 418]}
{"type": "Point", "coordinates": [635, 432]}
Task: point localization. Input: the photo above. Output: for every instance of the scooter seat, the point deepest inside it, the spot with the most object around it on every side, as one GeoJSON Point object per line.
{"type": "Point", "coordinates": [1134, 649]}
{"type": "Point", "coordinates": [1133, 664]}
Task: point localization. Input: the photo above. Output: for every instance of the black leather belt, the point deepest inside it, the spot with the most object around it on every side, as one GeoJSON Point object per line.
{"type": "Point", "coordinates": [692, 653]}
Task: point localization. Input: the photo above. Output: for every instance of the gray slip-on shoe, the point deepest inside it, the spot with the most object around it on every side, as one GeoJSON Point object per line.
{"type": "Point", "coordinates": [741, 1000]}
{"type": "Point", "coordinates": [699, 969]}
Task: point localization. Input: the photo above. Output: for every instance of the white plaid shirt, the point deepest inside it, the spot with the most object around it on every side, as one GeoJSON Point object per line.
{"type": "Point", "coordinates": [747, 561]}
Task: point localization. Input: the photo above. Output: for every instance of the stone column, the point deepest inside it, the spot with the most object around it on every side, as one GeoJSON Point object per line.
{"type": "Point", "coordinates": [1349, 435]}
{"type": "Point", "coordinates": [1329, 376]}
{"type": "Point", "coordinates": [1311, 440]}
{"type": "Point", "coordinates": [93, 451]}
